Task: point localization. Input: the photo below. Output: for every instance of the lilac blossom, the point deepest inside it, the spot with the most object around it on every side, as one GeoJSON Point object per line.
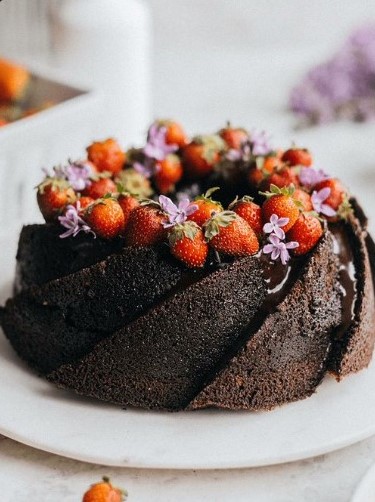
{"type": "Point", "coordinates": [146, 169]}
{"type": "Point", "coordinates": [73, 222]}
{"type": "Point", "coordinates": [279, 249]}
{"type": "Point", "coordinates": [275, 226]}
{"type": "Point", "coordinates": [243, 153]}
{"type": "Point", "coordinates": [318, 199]}
{"type": "Point", "coordinates": [78, 175]}
{"type": "Point", "coordinates": [177, 214]}
{"type": "Point", "coordinates": [310, 177]}
{"type": "Point", "coordinates": [156, 146]}
{"type": "Point", "coordinates": [260, 143]}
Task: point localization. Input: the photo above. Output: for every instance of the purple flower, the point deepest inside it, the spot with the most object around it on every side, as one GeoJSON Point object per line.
{"type": "Point", "coordinates": [274, 226]}
{"type": "Point", "coordinates": [176, 214]}
{"type": "Point", "coordinates": [243, 153]}
{"type": "Point", "coordinates": [73, 222]}
{"type": "Point", "coordinates": [147, 169]}
{"type": "Point", "coordinates": [318, 198]}
{"type": "Point", "coordinates": [310, 177]}
{"type": "Point", "coordinates": [279, 249]}
{"type": "Point", "coordinates": [156, 146]}
{"type": "Point", "coordinates": [78, 175]}
{"type": "Point", "coordinates": [260, 143]}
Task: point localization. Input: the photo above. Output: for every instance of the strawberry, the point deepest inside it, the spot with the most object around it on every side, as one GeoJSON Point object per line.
{"type": "Point", "coordinates": [128, 203]}
{"type": "Point", "coordinates": [282, 177]}
{"type": "Point", "coordinates": [3, 122]}
{"type": "Point", "coordinates": [234, 137]}
{"type": "Point", "coordinates": [100, 187]}
{"type": "Point", "coordinates": [280, 202]}
{"type": "Point", "coordinates": [206, 206]}
{"type": "Point", "coordinates": [188, 244]}
{"type": "Point", "coordinates": [271, 162]}
{"type": "Point", "coordinates": [263, 168]}
{"type": "Point", "coordinates": [14, 80]}
{"type": "Point", "coordinates": [168, 173]}
{"type": "Point", "coordinates": [105, 217]}
{"type": "Point", "coordinates": [175, 135]}
{"type": "Point", "coordinates": [104, 492]}
{"type": "Point", "coordinates": [228, 233]}
{"type": "Point", "coordinates": [297, 157]}
{"type": "Point", "coordinates": [303, 198]}
{"type": "Point", "coordinates": [52, 196]}
{"type": "Point", "coordinates": [84, 203]}
{"type": "Point", "coordinates": [107, 156]}
{"type": "Point", "coordinates": [249, 211]}
{"type": "Point", "coordinates": [256, 176]}
{"type": "Point", "coordinates": [338, 192]}
{"type": "Point", "coordinates": [200, 156]}
{"type": "Point", "coordinates": [306, 231]}
{"type": "Point", "coordinates": [145, 226]}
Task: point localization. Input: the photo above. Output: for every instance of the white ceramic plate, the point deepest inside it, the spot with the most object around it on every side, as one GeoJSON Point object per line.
{"type": "Point", "coordinates": [36, 413]}
{"type": "Point", "coordinates": [365, 491]}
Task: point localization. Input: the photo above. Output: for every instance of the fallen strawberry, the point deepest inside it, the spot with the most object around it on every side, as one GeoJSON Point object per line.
{"type": "Point", "coordinates": [104, 492]}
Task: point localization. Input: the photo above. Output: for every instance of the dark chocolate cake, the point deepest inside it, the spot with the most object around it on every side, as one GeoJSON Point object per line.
{"type": "Point", "coordinates": [186, 305]}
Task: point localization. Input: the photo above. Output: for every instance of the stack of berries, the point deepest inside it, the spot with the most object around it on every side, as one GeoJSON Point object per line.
{"type": "Point", "coordinates": [108, 195]}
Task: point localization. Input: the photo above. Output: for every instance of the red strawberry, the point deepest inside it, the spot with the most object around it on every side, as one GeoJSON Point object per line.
{"type": "Point", "coordinates": [255, 176]}
{"type": "Point", "coordinates": [230, 234]}
{"type": "Point", "coordinates": [282, 177]}
{"type": "Point", "coordinates": [297, 157]}
{"type": "Point", "coordinates": [145, 226]}
{"type": "Point", "coordinates": [175, 135]}
{"type": "Point", "coordinates": [303, 198]}
{"type": "Point", "coordinates": [206, 206]}
{"type": "Point", "coordinates": [188, 244]}
{"type": "Point", "coordinates": [105, 217]}
{"type": "Point", "coordinates": [337, 195]}
{"type": "Point", "coordinates": [107, 156]}
{"type": "Point", "coordinates": [200, 156]}
{"type": "Point", "coordinates": [249, 211]}
{"type": "Point", "coordinates": [306, 231]}
{"type": "Point", "coordinates": [234, 137]}
{"type": "Point", "coordinates": [100, 187]}
{"type": "Point", "coordinates": [168, 172]}
{"type": "Point", "coordinates": [280, 202]}
{"type": "Point", "coordinates": [52, 196]}
{"type": "Point", "coordinates": [84, 202]}
{"type": "Point", "coordinates": [128, 203]}
{"type": "Point", "coordinates": [104, 492]}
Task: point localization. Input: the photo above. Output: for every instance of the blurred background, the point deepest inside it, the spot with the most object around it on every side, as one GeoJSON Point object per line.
{"type": "Point", "coordinates": [202, 62]}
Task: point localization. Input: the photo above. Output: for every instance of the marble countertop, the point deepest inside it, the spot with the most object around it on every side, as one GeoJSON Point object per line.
{"type": "Point", "coordinates": [249, 85]}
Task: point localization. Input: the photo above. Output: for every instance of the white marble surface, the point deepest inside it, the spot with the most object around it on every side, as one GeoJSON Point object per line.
{"type": "Point", "coordinates": [216, 60]}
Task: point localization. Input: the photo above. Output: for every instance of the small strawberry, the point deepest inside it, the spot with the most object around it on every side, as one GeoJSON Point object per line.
{"type": "Point", "coordinates": [306, 231]}
{"type": "Point", "coordinates": [264, 166]}
{"type": "Point", "coordinates": [107, 156]}
{"type": "Point", "coordinates": [304, 199]}
{"type": "Point", "coordinates": [280, 202]}
{"type": "Point", "coordinates": [249, 211]}
{"type": "Point", "coordinates": [175, 135]}
{"type": "Point", "coordinates": [338, 192]}
{"type": "Point", "coordinates": [297, 157]}
{"type": "Point", "coordinates": [271, 163]}
{"type": "Point", "coordinates": [281, 177]}
{"type": "Point", "coordinates": [100, 187]}
{"type": "Point", "coordinates": [105, 217]}
{"type": "Point", "coordinates": [53, 195]}
{"type": "Point", "coordinates": [200, 156]}
{"type": "Point", "coordinates": [234, 137]}
{"type": "Point", "coordinates": [230, 234]}
{"type": "Point", "coordinates": [128, 203]}
{"type": "Point", "coordinates": [145, 226]}
{"type": "Point", "coordinates": [168, 172]}
{"type": "Point", "coordinates": [104, 492]}
{"type": "Point", "coordinates": [84, 202]}
{"type": "Point", "coordinates": [206, 206]}
{"type": "Point", "coordinates": [188, 244]}
{"type": "Point", "coordinates": [255, 176]}
{"type": "Point", "coordinates": [3, 122]}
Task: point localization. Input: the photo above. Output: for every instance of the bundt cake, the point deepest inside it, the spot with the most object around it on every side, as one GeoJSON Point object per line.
{"type": "Point", "coordinates": [140, 291]}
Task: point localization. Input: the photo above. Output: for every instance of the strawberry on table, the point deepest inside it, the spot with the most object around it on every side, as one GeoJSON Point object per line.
{"type": "Point", "coordinates": [53, 195]}
{"type": "Point", "coordinates": [306, 231]}
{"type": "Point", "coordinates": [234, 137]}
{"type": "Point", "coordinates": [249, 211]}
{"type": "Point", "coordinates": [200, 156]}
{"type": "Point", "coordinates": [107, 156]}
{"type": "Point", "coordinates": [205, 207]}
{"type": "Point", "coordinates": [105, 217]}
{"type": "Point", "coordinates": [100, 187]}
{"type": "Point", "coordinates": [280, 202]}
{"type": "Point", "coordinates": [104, 492]}
{"type": "Point", "coordinates": [297, 157]}
{"type": "Point", "coordinates": [145, 226]}
{"type": "Point", "coordinates": [168, 172]}
{"type": "Point", "coordinates": [228, 233]}
{"type": "Point", "coordinates": [188, 244]}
